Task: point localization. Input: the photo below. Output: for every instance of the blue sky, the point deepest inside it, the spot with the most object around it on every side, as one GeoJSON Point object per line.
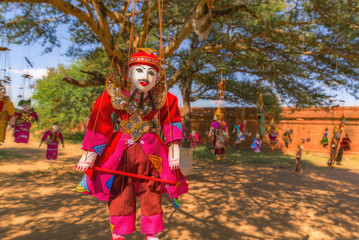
{"type": "Point", "coordinates": [43, 61]}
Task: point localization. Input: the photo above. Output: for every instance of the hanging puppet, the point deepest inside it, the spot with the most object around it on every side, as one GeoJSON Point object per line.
{"type": "Point", "coordinates": [257, 143]}
{"type": "Point", "coordinates": [23, 121]}
{"type": "Point", "coordinates": [194, 139]}
{"type": "Point", "coordinates": [287, 137]}
{"type": "Point", "coordinates": [344, 146]}
{"type": "Point", "coordinates": [219, 134]}
{"type": "Point", "coordinates": [334, 146]}
{"type": "Point", "coordinates": [325, 141]}
{"type": "Point", "coordinates": [273, 134]}
{"type": "Point", "coordinates": [52, 138]}
{"type": "Point", "coordinates": [135, 149]}
{"type": "Point", "coordinates": [239, 130]}
{"type": "Point", "coordinates": [261, 119]}
{"type": "Point", "coordinates": [7, 111]}
{"type": "Point", "coordinates": [298, 167]}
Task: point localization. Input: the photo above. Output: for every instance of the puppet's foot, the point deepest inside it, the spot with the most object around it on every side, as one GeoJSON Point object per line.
{"type": "Point", "coordinates": [152, 237]}
{"type": "Point", "coordinates": [118, 237]}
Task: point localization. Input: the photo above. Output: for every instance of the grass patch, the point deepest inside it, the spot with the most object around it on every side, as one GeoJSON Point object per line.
{"type": "Point", "coordinates": [248, 156]}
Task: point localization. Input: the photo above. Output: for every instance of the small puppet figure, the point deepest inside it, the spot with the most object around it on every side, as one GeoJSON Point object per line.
{"type": "Point", "coordinates": [344, 146]}
{"type": "Point", "coordinates": [334, 146]}
{"type": "Point", "coordinates": [221, 137]}
{"type": "Point", "coordinates": [261, 117]}
{"type": "Point", "coordinates": [23, 121]}
{"type": "Point", "coordinates": [287, 137]}
{"type": "Point", "coordinates": [136, 149]}
{"type": "Point", "coordinates": [7, 111]}
{"type": "Point", "coordinates": [194, 139]}
{"type": "Point", "coordinates": [273, 134]}
{"type": "Point", "coordinates": [239, 130]}
{"type": "Point", "coordinates": [219, 134]}
{"type": "Point", "coordinates": [257, 143]}
{"type": "Point", "coordinates": [325, 140]}
{"type": "Point", "coordinates": [298, 167]}
{"type": "Point", "coordinates": [52, 139]}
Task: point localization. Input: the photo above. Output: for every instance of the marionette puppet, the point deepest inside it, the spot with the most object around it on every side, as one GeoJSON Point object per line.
{"type": "Point", "coordinates": [298, 167]}
{"type": "Point", "coordinates": [344, 146]}
{"type": "Point", "coordinates": [194, 139]}
{"type": "Point", "coordinates": [239, 130]}
{"type": "Point", "coordinates": [334, 146]}
{"type": "Point", "coordinates": [52, 138]}
{"type": "Point", "coordinates": [135, 150]}
{"type": "Point", "coordinates": [257, 143]}
{"type": "Point", "coordinates": [219, 134]}
{"type": "Point", "coordinates": [287, 137]}
{"type": "Point", "coordinates": [24, 120]}
{"type": "Point", "coordinates": [261, 118]}
{"type": "Point", "coordinates": [273, 134]}
{"type": "Point", "coordinates": [7, 111]}
{"type": "Point", "coordinates": [325, 140]}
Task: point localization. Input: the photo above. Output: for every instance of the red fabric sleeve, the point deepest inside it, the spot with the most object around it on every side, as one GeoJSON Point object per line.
{"type": "Point", "coordinates": [169, 113]}
{"type": "Point", "coordinates": [104, 110]}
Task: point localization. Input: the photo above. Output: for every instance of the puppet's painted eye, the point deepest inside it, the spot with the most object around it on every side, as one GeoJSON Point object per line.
{"type": "Point", "coordinates": [152, 73]}
{"type": "Point", "coordinates": [140, 70]}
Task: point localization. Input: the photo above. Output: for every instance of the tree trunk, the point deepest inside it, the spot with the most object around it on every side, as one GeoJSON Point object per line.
{"type": "Point", "coordinates": [185, 87]}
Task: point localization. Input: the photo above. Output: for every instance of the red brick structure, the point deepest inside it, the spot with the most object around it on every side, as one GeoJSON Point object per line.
{"type": "Point", "coordinates": [306, 123]}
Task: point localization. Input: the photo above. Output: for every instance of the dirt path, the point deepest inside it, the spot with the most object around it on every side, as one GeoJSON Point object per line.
{"type": "Point", "coordinates": [225, 201]}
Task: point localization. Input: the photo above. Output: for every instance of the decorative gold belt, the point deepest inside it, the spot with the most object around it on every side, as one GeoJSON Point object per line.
{"type": "Point", "coordinates": [136, 127]}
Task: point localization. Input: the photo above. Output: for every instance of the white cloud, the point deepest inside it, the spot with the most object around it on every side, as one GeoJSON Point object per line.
{"type": "Point", "coordinates": [36, 73]}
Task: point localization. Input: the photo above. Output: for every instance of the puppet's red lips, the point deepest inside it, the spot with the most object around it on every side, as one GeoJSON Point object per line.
{"type": "Point", "coordinates": [144, 83]}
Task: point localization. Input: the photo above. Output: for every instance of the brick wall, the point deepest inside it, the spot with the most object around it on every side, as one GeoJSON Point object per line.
{"type": "Point", "coordinates": [306, 123]}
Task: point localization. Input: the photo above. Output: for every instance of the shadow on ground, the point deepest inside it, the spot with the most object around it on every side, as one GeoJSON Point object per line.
{"type": "Point", "coordinates": [245, 197]}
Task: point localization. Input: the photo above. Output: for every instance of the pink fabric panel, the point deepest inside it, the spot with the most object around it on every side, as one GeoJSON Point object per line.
{"type": "Point", "coordinates": [152, 224]}
{"type": "Point", "coordinates": [150, 144]}
{"type": "Point", "coordinates": [123, 224]}
{"type": "Point", "coordinates": [98, 187]}
{"type": "Point", "coordinates": [97, 139]}
{"type": "Point", "coordinates": [175, 132]}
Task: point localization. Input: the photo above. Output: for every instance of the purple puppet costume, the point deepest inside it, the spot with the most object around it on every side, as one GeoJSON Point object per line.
{"type": "Point", "coordinates": [52, 139]}
{"type": "Point", "coordinates": [136, 148]}
{"type": "Point", "coordinates": [219, 133]}
{"type": "Point", "coordinates": [23, 121]}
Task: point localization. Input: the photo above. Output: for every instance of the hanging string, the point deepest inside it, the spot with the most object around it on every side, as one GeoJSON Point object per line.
{"type": "Point", "coordinates": [148, 21]}
{"type": "Point", "coordinates": [108, 74]}
{"type": "Point", "coordinates": [162, 67]}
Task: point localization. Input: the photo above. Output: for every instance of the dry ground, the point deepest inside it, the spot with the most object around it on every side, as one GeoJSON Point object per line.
{"type": "Point", "coordinates": [227, 200]}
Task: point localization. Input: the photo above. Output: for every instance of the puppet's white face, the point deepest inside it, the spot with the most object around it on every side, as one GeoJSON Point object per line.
{"type": "Point", "coordinates": [193, 132]}
{"type": "Point", "coordinates": [55, 128]}
{"type": "Point", "coordinates": [2, 92]}
{"type": "Point", "coordinates": [143, 77]}
{"type": "Point", "coordinates": [26, 107]}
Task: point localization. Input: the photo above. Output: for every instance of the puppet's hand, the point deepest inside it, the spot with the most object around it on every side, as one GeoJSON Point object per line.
{"type": "Point", "coordinates": [63, 145]}
{"type": "Point", "coordinates": [173, 156]}
{"type": "Point", "coordinates": [86, 161]}
{"type": "Point", "coordinates": [40, 144]}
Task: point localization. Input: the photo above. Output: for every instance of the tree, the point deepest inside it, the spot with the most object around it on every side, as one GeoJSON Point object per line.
{"type": "Point", "coordinates": [62, 103]}
{"type": "Point", "coordinates": [299, 49]}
